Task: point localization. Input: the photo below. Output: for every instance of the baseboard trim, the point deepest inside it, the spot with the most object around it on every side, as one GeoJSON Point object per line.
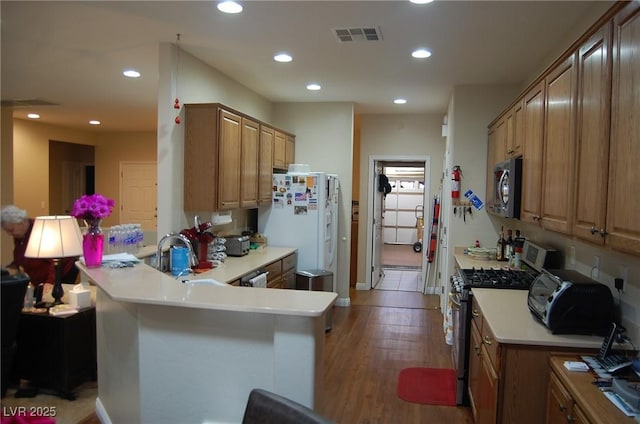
{"type": "Point", "coordinates": [362, 286]}
{"type": "Point", "coordinates": [343, 302]}
{"type": "Point", "coordinates": [102, 413]}
{"type": "Point", "coordinates": [431, 290]}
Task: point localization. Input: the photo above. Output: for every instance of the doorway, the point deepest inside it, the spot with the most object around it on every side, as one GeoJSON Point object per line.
{"type": "Point", "coordinates": [397, 257]}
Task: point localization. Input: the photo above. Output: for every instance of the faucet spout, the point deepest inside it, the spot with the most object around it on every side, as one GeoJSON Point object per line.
{"type": "Point", "coordinates": [173, 237]}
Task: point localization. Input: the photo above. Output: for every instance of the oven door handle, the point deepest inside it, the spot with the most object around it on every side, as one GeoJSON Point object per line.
{"type": "Point", "coordinates": [455, 299]}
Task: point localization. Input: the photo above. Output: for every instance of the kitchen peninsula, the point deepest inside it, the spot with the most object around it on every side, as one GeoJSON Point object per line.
{"type": "Point", "coordinates": [174, 352]}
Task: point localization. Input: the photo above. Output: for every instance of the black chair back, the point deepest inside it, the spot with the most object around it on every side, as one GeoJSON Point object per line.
{"type": "Point", "coordinates": [264, 407]}
{"type": "Point", "coordinates": [12, 293]}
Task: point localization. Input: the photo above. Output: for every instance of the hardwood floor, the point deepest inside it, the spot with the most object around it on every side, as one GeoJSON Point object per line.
{"type": "Point", "coordinates": [371, 341]}
{"type": "Point", "coordinates": [381, 333]}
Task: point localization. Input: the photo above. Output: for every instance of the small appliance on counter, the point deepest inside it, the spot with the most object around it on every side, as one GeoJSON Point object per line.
{"type": "Point", "coordinates": [568, 302]}
{"type": "Point", "coordinates": [237, 245]}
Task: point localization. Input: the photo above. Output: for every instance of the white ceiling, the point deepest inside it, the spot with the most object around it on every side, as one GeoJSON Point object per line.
{"type": "Point", "coordinates": [72, 53]}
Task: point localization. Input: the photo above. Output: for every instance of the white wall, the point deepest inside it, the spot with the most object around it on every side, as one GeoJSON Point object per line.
{"type": "Point", "coordinates": [324, 140]}
{"type": "Point", "coordinates": [198, 83]}
{"type": "Point", "coordinates": [396, 135]}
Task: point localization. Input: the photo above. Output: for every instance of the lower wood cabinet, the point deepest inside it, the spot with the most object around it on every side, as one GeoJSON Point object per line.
{"type": "Point", "coordinates": [572, 398]}
{"type": "Point", "coordinates": [508, 382]}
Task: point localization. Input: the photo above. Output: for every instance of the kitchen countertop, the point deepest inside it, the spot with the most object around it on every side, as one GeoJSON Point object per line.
{"type": "Point", "coordinates": [144, 284]}
{"type": "Point", "coordinates": [467, 262]}
{"type": "Point", "coordinates": [508, 315]}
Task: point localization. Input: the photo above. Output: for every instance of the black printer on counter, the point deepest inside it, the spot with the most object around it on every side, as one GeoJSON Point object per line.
{"type": "Point", "coordinates": [568, 302]}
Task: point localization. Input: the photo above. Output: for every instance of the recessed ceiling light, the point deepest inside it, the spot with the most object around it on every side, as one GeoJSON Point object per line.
{"type": "Point", "coordinates": [283, 57]}
{"type": "Point", "coordinates": [33, 116]}
{"type": "Point", "coordinates": [229, 7]}
{"type": "Point", "coordinates": [420, 1]}
{"type": "Point", "coordinates": [94, 122]}
{"type": "Point", "coordinates": [131, 73]}
{"type": "Point", "coordinates": [421, 53]}
{"type": "Point", "coordinates": [400, 101]}
{"type": "Point", "coordinates": [314, 86]}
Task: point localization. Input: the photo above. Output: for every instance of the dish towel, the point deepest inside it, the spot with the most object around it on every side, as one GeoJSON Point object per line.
{"type": "Point", "coordinates": [259, 281]}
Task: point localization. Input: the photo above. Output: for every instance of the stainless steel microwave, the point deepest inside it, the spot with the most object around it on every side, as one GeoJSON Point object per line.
{"type": "Point", "coordinates": [507, 186]}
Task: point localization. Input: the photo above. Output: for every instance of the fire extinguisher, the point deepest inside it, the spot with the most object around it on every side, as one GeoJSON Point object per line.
{"type": "Point", "coordinates": [455, 182]}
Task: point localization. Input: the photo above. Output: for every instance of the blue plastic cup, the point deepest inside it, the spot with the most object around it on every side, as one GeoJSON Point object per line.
{"type": "Point", "coordinates": [179, 260]}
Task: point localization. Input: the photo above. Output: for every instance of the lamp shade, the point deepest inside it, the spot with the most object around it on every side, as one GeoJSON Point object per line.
{"type": "Point", "coordinates": [54, 237]}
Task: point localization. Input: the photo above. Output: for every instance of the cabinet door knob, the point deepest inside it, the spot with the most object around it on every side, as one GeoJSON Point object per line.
{"type": "Point", "coordinates": [475, 314]}
{"type": "Point", "coordinates": [593, 230]}
{"type": "Point", "coordinates": [603, 232]}
{"type": "Point", "coordinates": [562, 407]}
{"type": "Point", "coordinates": [486, 340]}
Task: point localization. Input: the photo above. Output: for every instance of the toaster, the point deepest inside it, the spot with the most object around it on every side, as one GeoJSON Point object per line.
{"type": "Point", "coordinates": [237, 245]}
{"type": "Point", "coordinates": [567, 302]}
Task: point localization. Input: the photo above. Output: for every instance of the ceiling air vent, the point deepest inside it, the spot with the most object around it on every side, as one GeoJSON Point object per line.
{"type": "Point", "coordinates": [346, 35]}
{"type": "Point", "coordinates": [26, 103]}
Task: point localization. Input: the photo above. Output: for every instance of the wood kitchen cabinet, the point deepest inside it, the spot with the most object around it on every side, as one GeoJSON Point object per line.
{"type": "Point", "coordinates": [282, 272]}
{"type": "Point", "coordinates": [496, 153]}
{"type": "Point", "coordinates": [279, 150]}
{"type": "Point", "coordinates": [483, 379]}
{"type": "Point", "coordinates": [508, 382]}
{"type": "Point", "coordinates": [559, 147]}
{"type": "Point", "coordinates": [623, 228]}
{"type": "Point", "coordinates": [549, 146]}
{"type": "Point", "coordinates": [289, 150]}
{"type": "Point", "coordinates": [533, 141]}
{"type": "Point", "coordinates": [228, 159]}
{"type": "Point", "coordinates": [572, 398]}
{"type": "Point", "coordinates": [265, 165]}
{"type": "Point", "coordinates": [515, 128]}
{"type": "Point", "coordinates": [592, 136]}
{"type": "Point", "coordinates": [249, 171]}
{"type": "Point", "coordinates": [608, 150]}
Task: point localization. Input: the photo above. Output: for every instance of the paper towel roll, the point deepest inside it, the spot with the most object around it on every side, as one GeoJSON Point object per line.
{"type": "Point", "coordinates": [259, 281]}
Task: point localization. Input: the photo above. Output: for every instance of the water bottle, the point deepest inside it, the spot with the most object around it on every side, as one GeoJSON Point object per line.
{"type": "Point", "coordinates": [28, 297]}
{"type": "Point", "coordinates": [119, 239]}
{"type": "Point", "coordinates": [139, 237]}
{"type": "Point", "coordinates": [111, 246]}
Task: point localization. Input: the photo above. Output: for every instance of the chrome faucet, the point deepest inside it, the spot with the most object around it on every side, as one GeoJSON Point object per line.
{"type": "Point", "coordinates": [193, 259]}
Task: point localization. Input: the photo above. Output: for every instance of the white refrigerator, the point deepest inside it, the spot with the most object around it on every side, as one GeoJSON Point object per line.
{"type": "Point", "coordinates": [304, 214]}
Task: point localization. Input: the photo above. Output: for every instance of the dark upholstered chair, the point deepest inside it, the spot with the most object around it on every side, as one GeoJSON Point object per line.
{"type": "Point", "coordinates": [264, 407]}
{"type": "Point", "coordinates": [13, 290]}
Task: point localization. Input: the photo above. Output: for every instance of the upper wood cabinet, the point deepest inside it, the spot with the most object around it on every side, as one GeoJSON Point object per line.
{"type": "Point", "coordinates": [495, 154]}
{"type": "Point", "coordinates": [515, 128]}
{"type": "Point", "coordinates": [265, 177]}
{"type": "Point", "coordinates": [559, 147]}
{"type": "Point", "coordinates": [532, 150]}
{"type": "Point", "coordinates": [592, 136]}
{"type": "Point", "coordinates": [623, 226]}
{"type": "Point", "coordinates": [249, 171]}
{"type": "Point", "coordinates": [227, 159]}
{"type": "Point", "coordinates": [548, 118]}
{"type": "Point", "coordinates": [289, 150]}
{"type": "Point", "coordinates": [202, 132]}
{"type": "Point", "coordinates": [279, 150]}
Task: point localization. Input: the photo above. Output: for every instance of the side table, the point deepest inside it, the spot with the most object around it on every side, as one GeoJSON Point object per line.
{"type": "Point", "coordinates": [57, 353]}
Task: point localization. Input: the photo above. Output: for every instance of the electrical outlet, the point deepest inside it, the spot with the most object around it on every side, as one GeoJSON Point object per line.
{"type": "Point", "coordinates": [572, 255]}
{"type": "Point", "coordinates": [623, 274]}
{"type": "Point", "coordinates": [595, 270]}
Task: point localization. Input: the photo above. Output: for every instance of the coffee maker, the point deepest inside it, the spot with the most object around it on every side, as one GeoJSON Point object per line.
{"type": "Point", "coordinates": [200, 236]}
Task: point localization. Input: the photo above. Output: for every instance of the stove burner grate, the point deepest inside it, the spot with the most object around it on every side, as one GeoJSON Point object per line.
{"type": "Point", "coordinates": [497, 278]}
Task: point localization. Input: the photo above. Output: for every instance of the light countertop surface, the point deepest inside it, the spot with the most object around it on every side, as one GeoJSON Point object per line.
{"type": "Point", "coordinates": [144, 284]}
{"type": "Point", "coordinates": [468, 262]}
{"type": "Point", "coordinates": [508, 315]}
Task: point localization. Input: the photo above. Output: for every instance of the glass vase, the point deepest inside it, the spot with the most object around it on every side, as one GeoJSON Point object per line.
{"type": "Point", "coordinates": [93, 243]}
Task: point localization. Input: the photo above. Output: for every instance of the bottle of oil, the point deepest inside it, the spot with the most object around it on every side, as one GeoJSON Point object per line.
{"type": "Point", "coordinates": [508, 250]}
{"type": "Point", "coordinates": [501, 246]}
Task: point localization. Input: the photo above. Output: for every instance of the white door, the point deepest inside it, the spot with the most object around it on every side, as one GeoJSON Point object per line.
{"type": "Point", "coordinates": [378, 222]}
{"type": "Point", "coordinates": [139, 194]}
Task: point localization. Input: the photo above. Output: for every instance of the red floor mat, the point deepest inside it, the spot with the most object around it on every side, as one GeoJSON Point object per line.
{"type": "Point", "coordinates": [430, 386]}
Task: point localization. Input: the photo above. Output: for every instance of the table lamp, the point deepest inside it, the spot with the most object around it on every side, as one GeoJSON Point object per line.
{"type": "Point", "coordinates": [55, 237]}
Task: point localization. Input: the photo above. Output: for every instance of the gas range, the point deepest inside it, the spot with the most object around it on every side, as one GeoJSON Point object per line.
{"type": "Point", "coordinates": [497, 278]}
